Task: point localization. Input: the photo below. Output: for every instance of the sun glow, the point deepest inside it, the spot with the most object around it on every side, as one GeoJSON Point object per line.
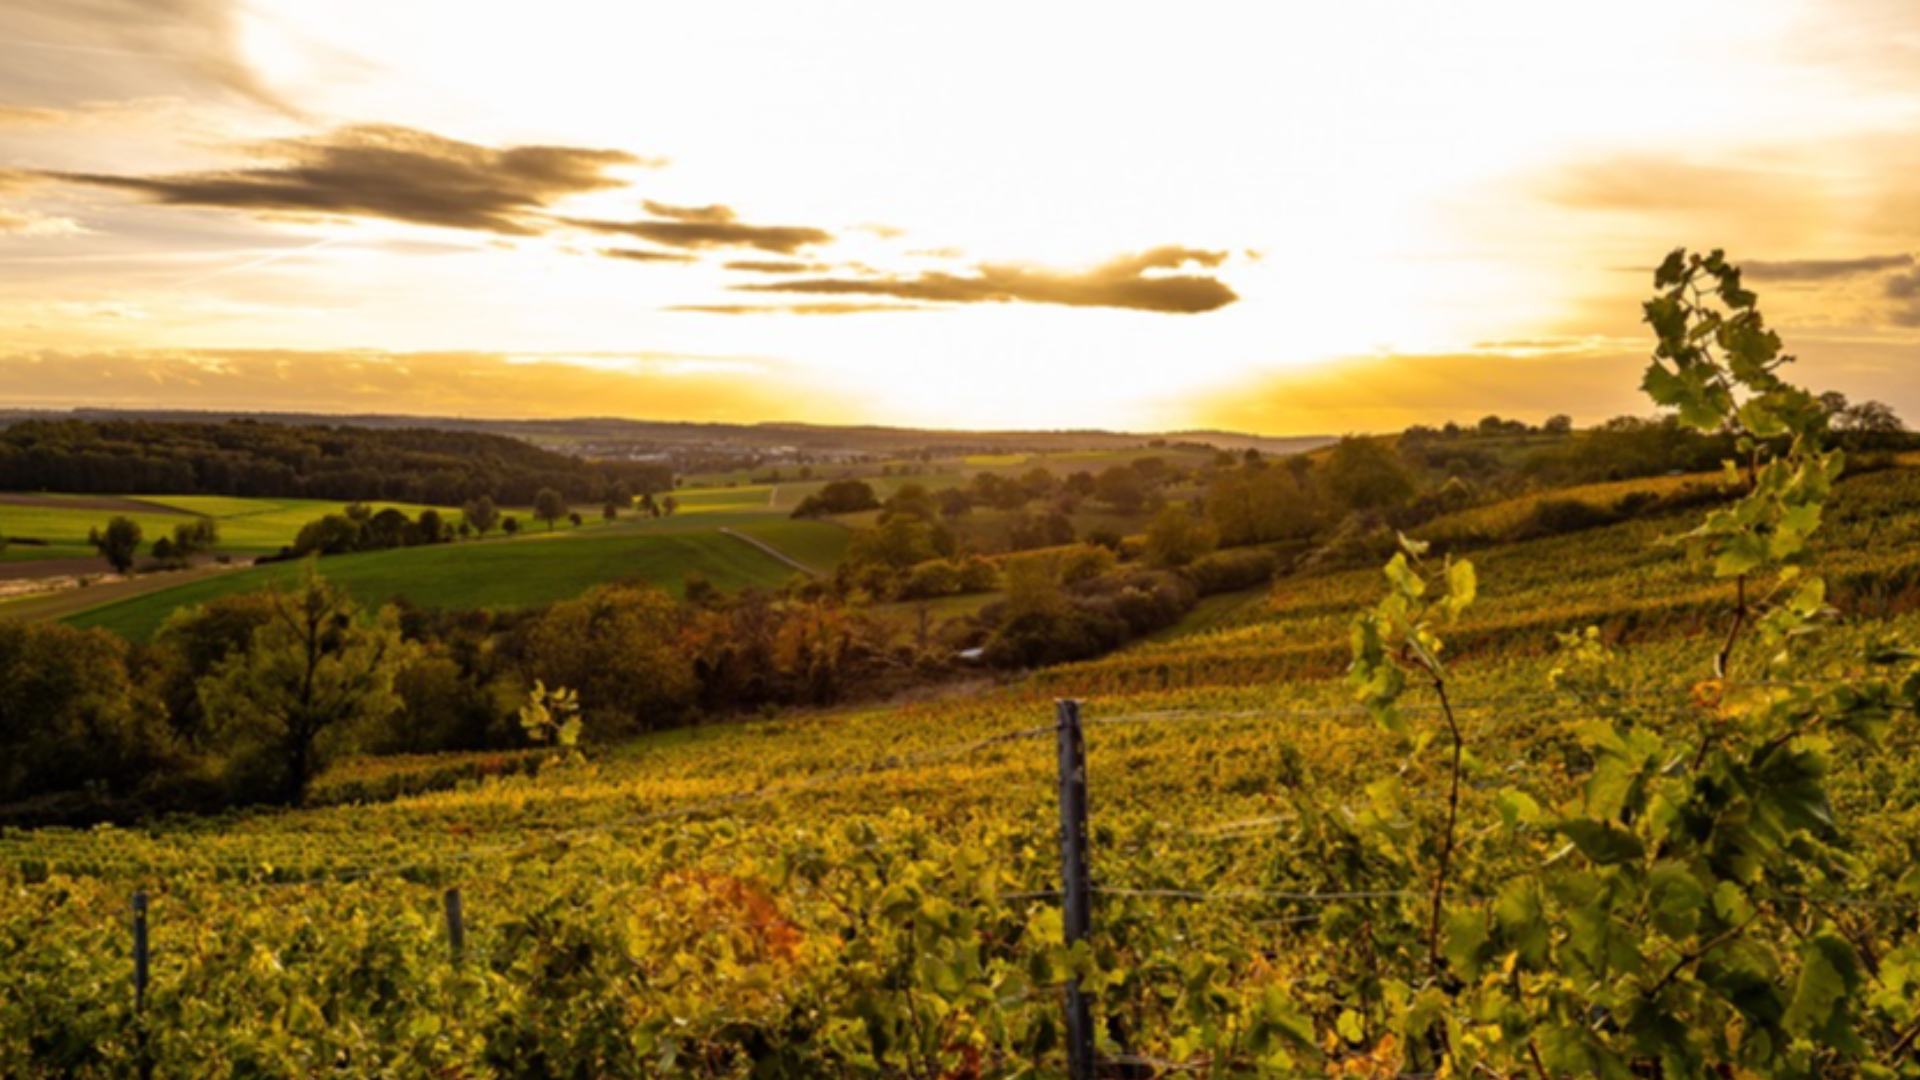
{"type": "Point", "coordinates": [847, 193]}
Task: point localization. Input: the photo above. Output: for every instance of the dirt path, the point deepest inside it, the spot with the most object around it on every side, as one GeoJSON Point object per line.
{"type": "Point", "coordinates": [771, 550]}
{"type": "Point", "coordinates": [36, 569]}
{"type": "Point", "coordinates": [75, 598]}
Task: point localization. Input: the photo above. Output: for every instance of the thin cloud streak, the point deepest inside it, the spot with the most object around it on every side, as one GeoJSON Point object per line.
{"type": "Point", "coordinates": [395, 173]}
{"type": "Point", "coordinates": [1124, 282]}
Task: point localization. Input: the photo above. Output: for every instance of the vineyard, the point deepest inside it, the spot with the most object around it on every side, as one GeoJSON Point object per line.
{"type": "Point", "coordinates": [624, 918]}
{"type": "Point", "coordinates": [875, 893]}
{"type": "Point", "coordinates": [1324, 841]}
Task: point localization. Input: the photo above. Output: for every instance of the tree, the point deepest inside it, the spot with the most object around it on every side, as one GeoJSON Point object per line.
{"type": "Point", "coordinates": [481, 514]}
{"type": "Point", "coordinates": [549, 506]}
{"type": "Point", "coordinates": [1364, 475]}
{"type": "Point", "coordinates": [618, 647]}
{"type": "Point", "coordinates": [70, 715]}
{"type": "Point", "coordinates": [1177, 536]}
{"type": "Point", "coordinates": [310, 679]}
{"type": "Point", "coordinates": [191, 644]}
{"type": "Point", "coordinates": [838, 497]}
{"type": "Point", "coordinates": [120, 543]}
{"type": "Point", "coordinates": [432, 528]}
{"type": "Point", "coordinates": [195, 537]}
{"type": "Point", "coordinates": [510, 525]}
{"type": "Point", "coordinates": [1121, 488]}
{"type": "Point", "coordinates": [1869, 417]}
{"type": "Point", "coordinates": [1558, 424]}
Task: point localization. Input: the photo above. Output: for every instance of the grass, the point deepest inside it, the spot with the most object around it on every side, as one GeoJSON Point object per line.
{"type": "Point", "coordinates": [1500, 519]}
{"type": "Point", "coordinates": [819, 544]}
{"type": "Point", "coordinates": [247, 526]}
{"type": "Point", "coordinates": [493, 574]}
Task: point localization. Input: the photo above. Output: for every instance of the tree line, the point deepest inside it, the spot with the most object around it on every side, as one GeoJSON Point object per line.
{"type": "Point", "coordinates": [248, 698]}
{"type": "Point", "coordinates": [251, 458]}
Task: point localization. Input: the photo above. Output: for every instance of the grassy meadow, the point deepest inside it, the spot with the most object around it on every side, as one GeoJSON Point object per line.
{"type": "Point", "coordinates": [247, 526]}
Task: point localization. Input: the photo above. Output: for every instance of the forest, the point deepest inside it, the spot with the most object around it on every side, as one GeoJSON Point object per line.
{"type": "Point", "coordinates": [254, 459]}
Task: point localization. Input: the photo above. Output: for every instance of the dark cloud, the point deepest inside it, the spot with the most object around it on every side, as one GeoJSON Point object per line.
{"type": "Point", "coordinates": [389, 172]}
{"type": "Point", "coordinates": [640, 255]}
{"type": "Point", "coordinates": [697, 234]}
{"type": "Point", "coordinates": [796, 309]}
{"type": "Point", "coordinates": [1121, 283]}
{"type": "Point", "coordinates": [705, 215]}
{"type": "Point", "coordinates": [774, 266]}
{"type": "Point", "coordinates": [1823, 269]}
{"type": "Point", "coordinates": [1904, 291]}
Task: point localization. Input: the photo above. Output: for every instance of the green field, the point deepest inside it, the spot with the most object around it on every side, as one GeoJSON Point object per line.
{"type": "Point", "coordinates": [538, 566]}
{"type": "Point", "coordinates": [247, 526]}
{"type": "Point", "coordinates": [489, 574]}
{"type": "Point", "coordinates": [818, 544]}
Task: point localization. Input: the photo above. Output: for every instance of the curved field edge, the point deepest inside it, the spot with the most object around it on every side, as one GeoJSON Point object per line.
{"type": "Point", "coordinates": [491, 574]}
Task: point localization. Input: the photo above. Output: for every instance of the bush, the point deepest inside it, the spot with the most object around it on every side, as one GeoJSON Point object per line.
{"type": "Point", "coordinates": [978, 575]}
{"type": "Point", "coordinates": [616, 646]}
{"type": "Point", "coordinates": [1232, 570]}
{"type": "Point", "coordinates": [935, 577]}
{"type": "Point", "coordinates": [1553, 517]}
{"type": "Point", "coordinates": [71, 717]}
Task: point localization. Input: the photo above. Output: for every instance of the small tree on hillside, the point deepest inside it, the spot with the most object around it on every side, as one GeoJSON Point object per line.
{"type": "Point", "coordinates": [196, 537]}
{"type": "Point", "coordinates": [119, 543]}
{"type": "Point", "coordinates": [549, 506]}
{"type": "Point", "coordinates": [481, 514]}
{"type": "Point", "coordinates": [307, 682]}
{"type": "Point", "coordinates": [1177, 536]}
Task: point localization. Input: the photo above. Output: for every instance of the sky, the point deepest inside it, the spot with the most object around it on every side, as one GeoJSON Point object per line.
{"type": "Point", "coordinates": [1273, 217]}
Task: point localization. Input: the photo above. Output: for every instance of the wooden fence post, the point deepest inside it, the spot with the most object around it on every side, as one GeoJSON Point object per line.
{"type": "Point", "coordinates": [1075, 889]}
{"type": "Point", "coordinates": [140, 967]}
{"type": "Point", "coordinates": [140, 950]}
{"type": "Point", "coordinates": [456, 926]}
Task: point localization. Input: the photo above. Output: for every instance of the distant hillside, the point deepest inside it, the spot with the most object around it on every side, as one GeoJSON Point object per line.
{"type": "Point", "coordinates": [252, 458]}
{"type": "Point", "coordinates": [631, 435]}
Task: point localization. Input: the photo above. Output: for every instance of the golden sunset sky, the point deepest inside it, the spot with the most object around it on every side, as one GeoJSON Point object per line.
{"type": "Point", "coordinates": [1273, 217]}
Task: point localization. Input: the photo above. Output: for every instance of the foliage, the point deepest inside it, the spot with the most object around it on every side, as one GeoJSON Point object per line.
{"type": "Point", "coordinates": [838, 497]}
{"type": "Point", "coordinates": [616, 647]}
{"type": "Point", "coordinates": [119, 543]}
{"type": "Point", "coordinates": [71, 716]}
{"type": "Point", "coordinates": [552, 717]}
{"type": "Point", "coordinates": [255, 458]}
{"type": "Point", "coordinates": [481, 514]}
{"type": "Point", "coordinates": [1656, 941]}
{"type": "Point", "coordinates": [1177, 537]}
{"type": "Point", "coordinates": [312, 679]}
{"type": "Point", "coordinates": [1362, 474]}
{"type": "Point", "coordinates": [549, 506]}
